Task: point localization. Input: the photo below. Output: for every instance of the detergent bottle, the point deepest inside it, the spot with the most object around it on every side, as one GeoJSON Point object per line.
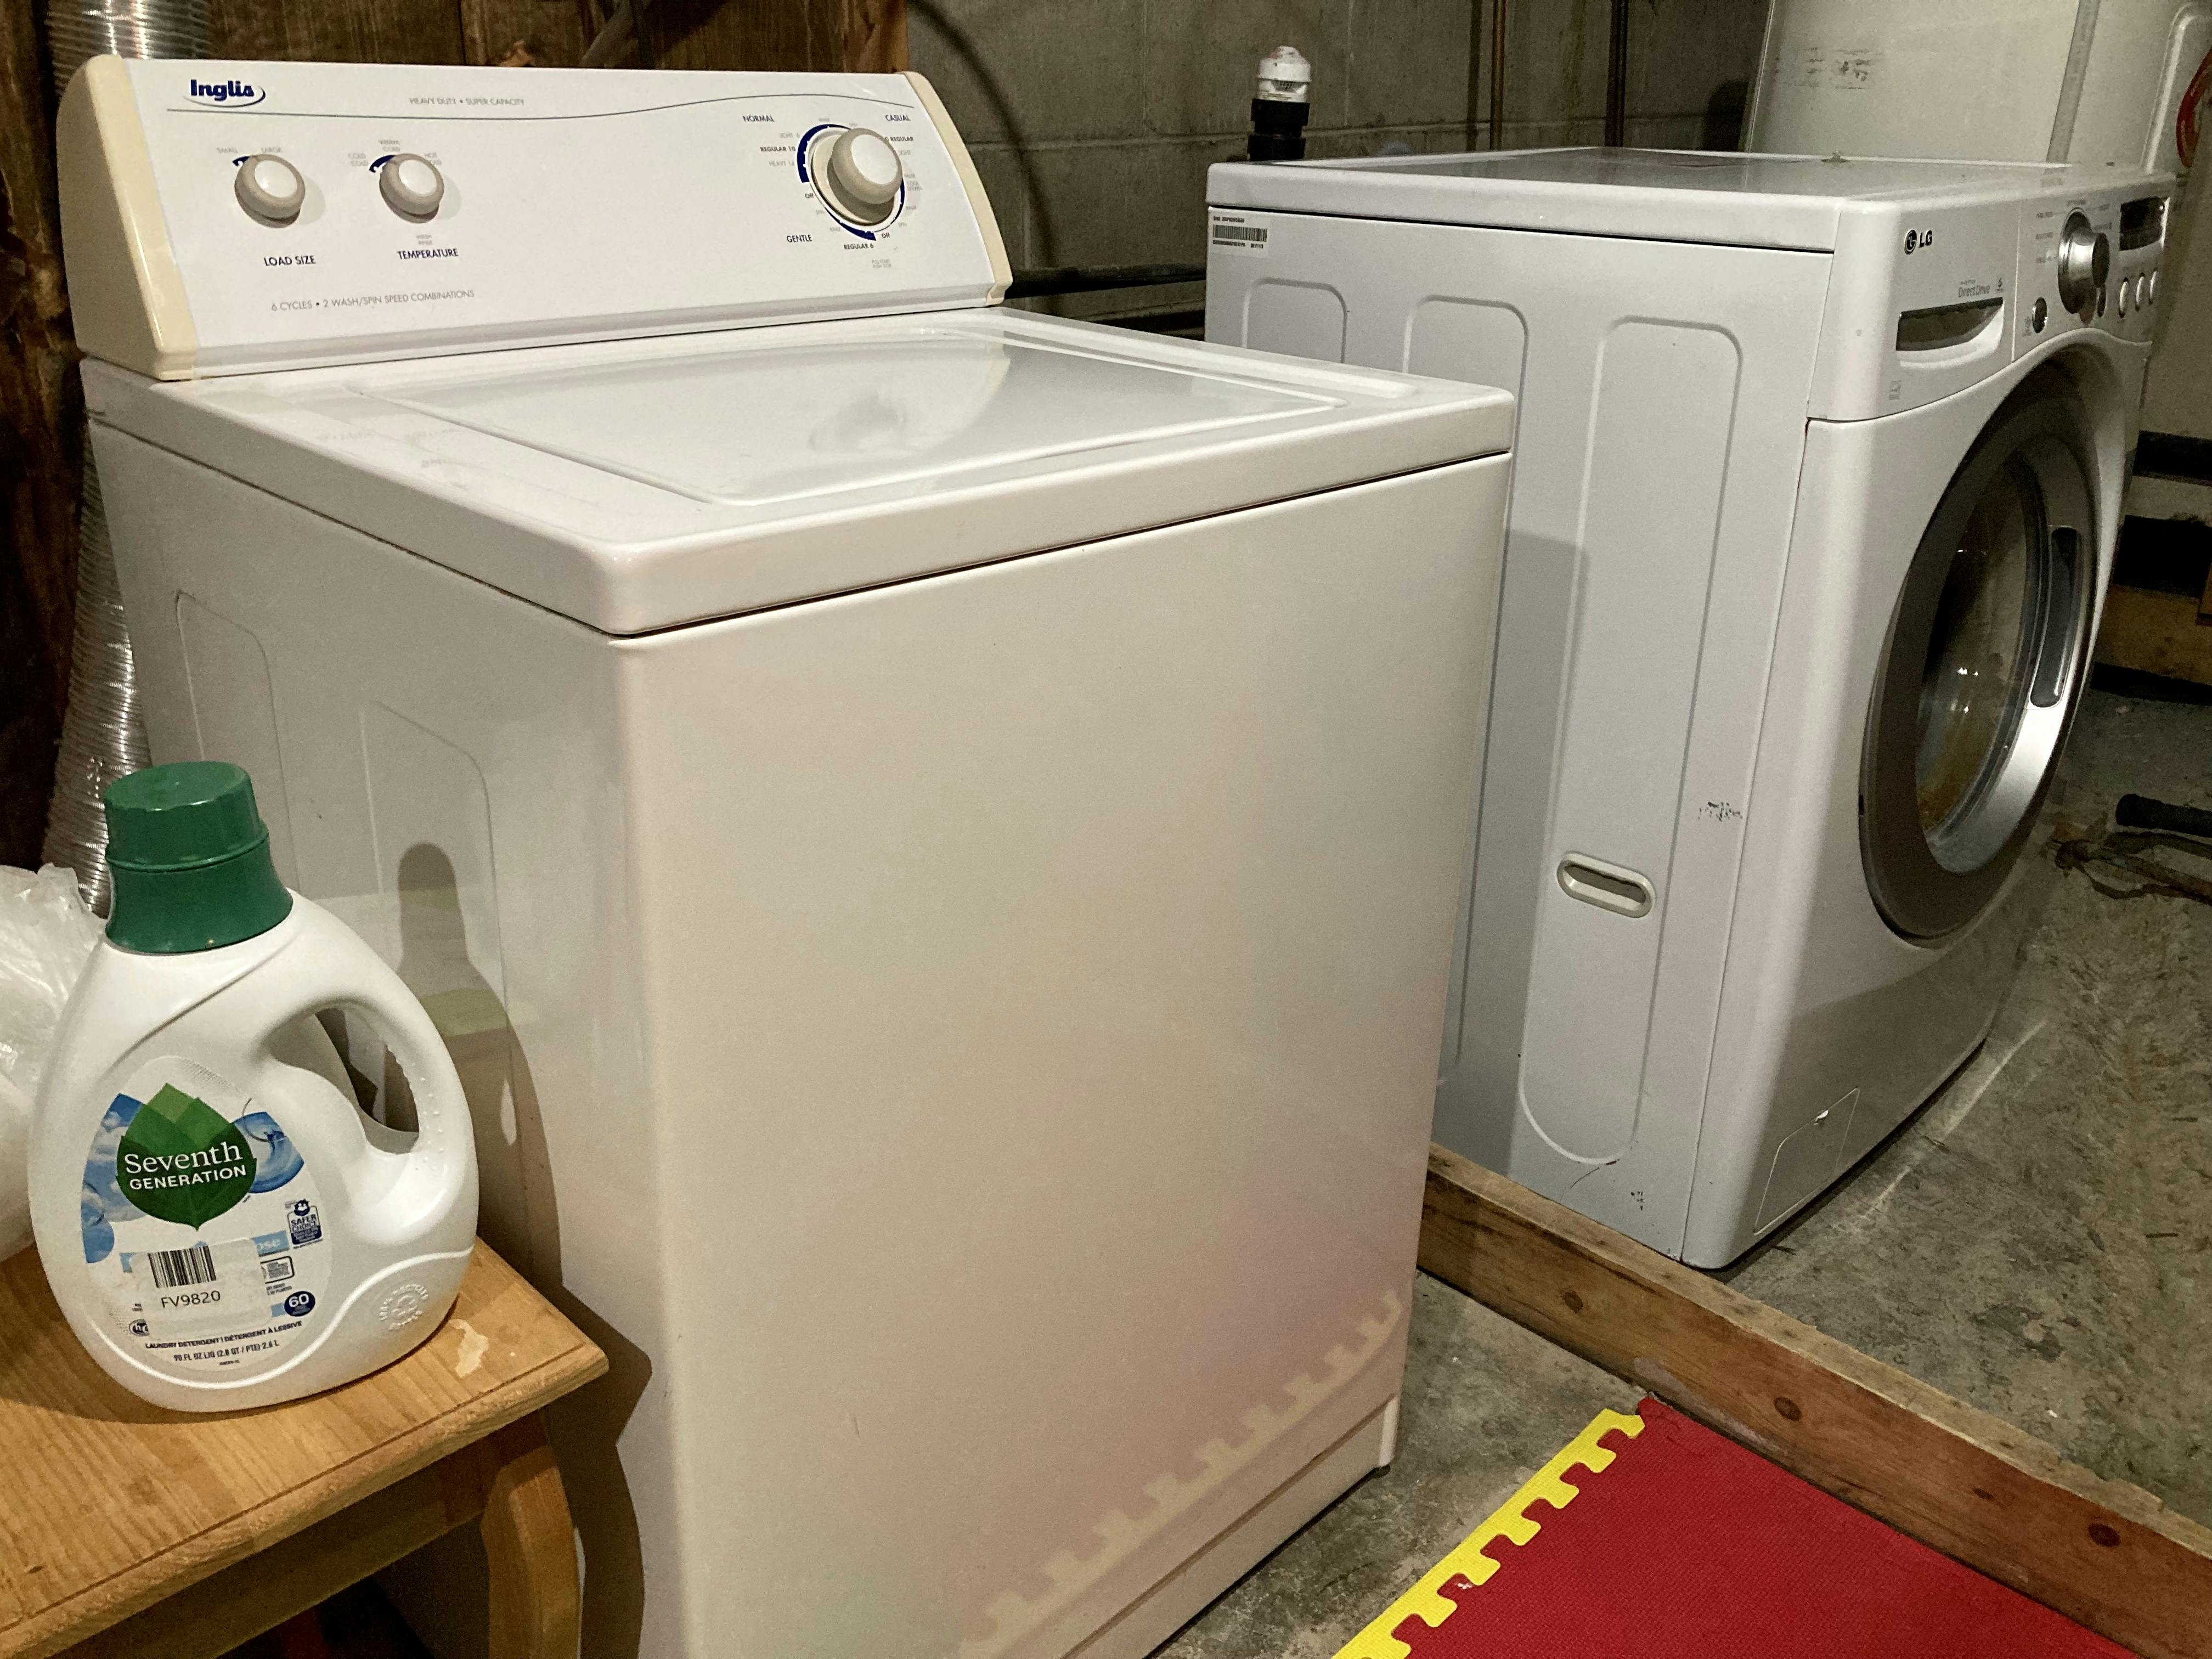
{"type": "Point", "coordinates": [221, 1224]}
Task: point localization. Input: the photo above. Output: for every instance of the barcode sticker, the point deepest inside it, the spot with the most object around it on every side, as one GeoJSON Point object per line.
{"type": "Point", "coordinates": [194, 1265]}
{"type": "Point", "coordinates": [196, 1290]}
{"type": "Point", "coordinates": [1235, 236]}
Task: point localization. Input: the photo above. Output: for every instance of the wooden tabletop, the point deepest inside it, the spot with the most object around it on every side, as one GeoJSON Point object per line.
{"type": "Point", "coordinates": [107, 1503]}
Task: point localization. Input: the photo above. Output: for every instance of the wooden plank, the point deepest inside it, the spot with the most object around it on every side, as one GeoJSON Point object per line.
{"type": "Point", "coordinates": [111, 1503]}
{"type": "Point", "coordinates": [536, 1595]}
{"type": "Point", "coordinates": [710, 35]}
{"type": "Point", "coordinates": [523, 33]}
{"type": "Point", "coordinates": [40, 434]}
{"type": "Point", "coordinates": [2104, 1553]}
{"type": "Point", "coordinates": [875, 37]}
{"type": "Point", "coordinates": [356, 32]}
{"type": "Point", "coordinates": [210, 1618]}
{"type": "Point", "coordinates": [863, 35]}
{"type": "Point", "coordinates": [2157, 633]}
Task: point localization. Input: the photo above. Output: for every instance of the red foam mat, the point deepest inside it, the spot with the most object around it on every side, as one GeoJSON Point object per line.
{"type": "Point", "coordinates": [1688, 1547]}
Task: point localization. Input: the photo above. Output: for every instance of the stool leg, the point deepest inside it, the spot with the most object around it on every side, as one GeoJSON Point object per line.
{"type": "Point", "coordinates": [536, 1600]}
{"type": "Point", "coordinates": [302, 1636]}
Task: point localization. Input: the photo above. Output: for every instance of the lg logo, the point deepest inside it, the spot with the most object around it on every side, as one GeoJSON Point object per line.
{"type": "Point", "coordinates": [1916, 240]}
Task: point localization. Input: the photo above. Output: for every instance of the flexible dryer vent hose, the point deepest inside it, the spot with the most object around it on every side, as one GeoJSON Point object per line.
{"type": "Point", "coordinates": [102, 735]}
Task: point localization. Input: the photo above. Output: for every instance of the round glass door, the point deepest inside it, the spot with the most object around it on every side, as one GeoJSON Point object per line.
{"type": "Point", "coordinates": [1984, 661]}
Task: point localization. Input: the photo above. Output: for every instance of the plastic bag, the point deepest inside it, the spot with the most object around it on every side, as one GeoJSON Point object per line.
{"type": "Point", "coordinates": [47, 935]}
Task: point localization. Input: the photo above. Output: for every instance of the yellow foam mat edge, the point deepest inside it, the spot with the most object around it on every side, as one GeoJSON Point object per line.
{"type": "Point", "coordinates": [1506, 1521]}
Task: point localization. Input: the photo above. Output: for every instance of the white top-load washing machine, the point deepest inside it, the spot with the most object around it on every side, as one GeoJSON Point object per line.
{"type": "Point", "coordinates": [1817, 476]}
{"type": "Point", "coordinates": [933, 834]}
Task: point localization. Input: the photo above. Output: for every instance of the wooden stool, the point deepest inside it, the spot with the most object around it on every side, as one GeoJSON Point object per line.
{"type": "Point", "coordinates": [126, 1529]}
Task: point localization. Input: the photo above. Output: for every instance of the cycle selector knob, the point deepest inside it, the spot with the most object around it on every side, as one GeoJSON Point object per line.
{"type": "Point", "coordinates": [2085, 261]}
{"type": "Point", "coordinates": [858, 175]}
{"type": "Point", "coordinates": [269, 189]}
{"type": "Point", "coordinates": [411, 186]}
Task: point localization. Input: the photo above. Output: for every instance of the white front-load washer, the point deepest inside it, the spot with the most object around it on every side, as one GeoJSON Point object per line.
{"type": "Point", "coordinates": [931, 833]}
{"type": "Point", "coordinates": [1818, 471]}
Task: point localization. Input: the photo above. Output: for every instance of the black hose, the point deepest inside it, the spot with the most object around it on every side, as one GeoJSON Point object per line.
{"type": "Point", "coordinates": [1096, 279]}
{"type": "Point", "coordinates": [2141, 812]}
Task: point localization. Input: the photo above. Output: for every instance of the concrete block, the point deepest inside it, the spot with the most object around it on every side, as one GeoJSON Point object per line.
{"type": "Point", "coordinates": [1667, 131]}
{"type": "Point", "coordinates": [1555, 59]}
{"type": "Point", "coordinates": [1201, 57]}
{"type": "Point", "coordinates": [1004, 172]}
{"type": "Point", "coordinates": [1014, 71]}
{"type": "Point", "coordinates": [1434, 140]}
{"type": "Point", "coordinates": [1680, 52]}
{"type": "Point", "coordinates": [1123, 204]}
{"type": "Point", "coordinates": [1407, 63]}
{"type": "Point", "coordinates": [1552, 135]}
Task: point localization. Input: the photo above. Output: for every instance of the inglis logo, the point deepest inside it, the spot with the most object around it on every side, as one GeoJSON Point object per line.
{"type": "Point", "coordinates": [226, 92]}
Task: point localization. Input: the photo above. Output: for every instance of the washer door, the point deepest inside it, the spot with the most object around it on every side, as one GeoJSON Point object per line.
{"type": "Point", "coordinates": [1985, 659]}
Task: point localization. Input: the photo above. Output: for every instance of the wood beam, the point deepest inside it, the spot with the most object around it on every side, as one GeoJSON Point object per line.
{"type": "Point", "coordinates": [40, 424]}
{"type": "Point", "coordinates": [2104, 1553]}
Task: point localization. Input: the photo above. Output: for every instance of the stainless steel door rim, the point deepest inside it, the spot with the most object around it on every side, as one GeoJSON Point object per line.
{"type": "Point", "coordinates": [1984, 661]}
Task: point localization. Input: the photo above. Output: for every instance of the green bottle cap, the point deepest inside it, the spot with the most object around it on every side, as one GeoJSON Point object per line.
{"type": "Point", "coordinates": [189, 858]}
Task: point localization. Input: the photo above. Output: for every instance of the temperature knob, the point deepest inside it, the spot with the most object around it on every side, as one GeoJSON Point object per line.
{"type": "Point", "coordinates": [858, 174]}
{"type": "Point", "coordinates": [270, 188]}
{"type": "Point", "coordinates": [412, 186]}
{"type": "Point", "coordinates": [2085, 260]}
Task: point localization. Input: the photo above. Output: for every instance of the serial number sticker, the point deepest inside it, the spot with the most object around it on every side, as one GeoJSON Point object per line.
{"type": "Point", "coordinates": [1234, 236]}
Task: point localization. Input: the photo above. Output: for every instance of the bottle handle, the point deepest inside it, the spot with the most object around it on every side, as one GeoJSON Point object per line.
{"type": "Point", "coordinates": [328, 966]}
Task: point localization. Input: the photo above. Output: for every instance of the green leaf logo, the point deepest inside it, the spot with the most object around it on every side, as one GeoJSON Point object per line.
{"type": "Point", "coordinates": [182, 1161]}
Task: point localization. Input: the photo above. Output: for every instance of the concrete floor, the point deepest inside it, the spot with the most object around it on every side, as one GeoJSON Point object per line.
{"type": "Point", "coordinates": [2038, 1241]}
{"type": "Point", "coordinates": [1486, 1405]}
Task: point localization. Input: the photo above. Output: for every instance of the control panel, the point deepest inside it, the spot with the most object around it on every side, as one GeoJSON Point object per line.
{"type": "Point", "coordinates": [244, 217]}
{"type": "Point", "coordinates": [2091, 261]}
{"type": "Point", "coordinates": [1954, 288]}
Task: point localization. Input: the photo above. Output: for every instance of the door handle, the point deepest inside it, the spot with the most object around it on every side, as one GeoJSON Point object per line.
{"type": "Point", "coordinates": [1608, 886]}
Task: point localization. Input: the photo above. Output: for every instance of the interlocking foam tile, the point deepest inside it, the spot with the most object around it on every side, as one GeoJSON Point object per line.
{"type": "Point", "coordinates": [1673, 1542]}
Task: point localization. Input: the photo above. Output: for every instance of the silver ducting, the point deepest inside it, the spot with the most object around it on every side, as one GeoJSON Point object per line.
{"type": "Point", "coordinates": [102, 736]}
{"type": "Point", "coordinates": [78, 29]}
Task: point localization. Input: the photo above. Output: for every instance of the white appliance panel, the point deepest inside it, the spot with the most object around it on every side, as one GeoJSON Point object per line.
{"type": "Point", "coordinates": [921, 1069]}
{"type": "Point", "coordinates": [1822, 1009]}
{"type": "Point", "coordinates": [1934, 289]}
{"type": "Point", "coordinates": [1631, 661]}
{"type": "Point", "coordinates": [576, 204]}
{"type": "Point", "coordinates": [1727, 457]}
{"type": "Point", "coordinates": [807, 417]}
{"type": "Point", "coordinates": [1739, 201]}
{"type": "Point", "coordinates": [645, 483]}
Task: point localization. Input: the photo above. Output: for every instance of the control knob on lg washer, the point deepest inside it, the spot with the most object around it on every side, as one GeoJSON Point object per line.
{"type": "Point", "coordinates": [858, 173]}
{"type": "Point", "coordinates": [2085, 260]}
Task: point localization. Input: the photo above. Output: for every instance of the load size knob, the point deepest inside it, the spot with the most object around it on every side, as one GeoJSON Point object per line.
{"type": "Point", "coordinates": [2085, 260]}
{"type": "Point", "coordinates": [270, 188]}
{"type": "Point", "coordinates": [411, 186]}
{"type": "Point", "coordinates": [858, 174]}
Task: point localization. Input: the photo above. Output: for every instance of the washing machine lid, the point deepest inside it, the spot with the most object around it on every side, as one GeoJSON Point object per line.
{"type": "Point", "coordinates": [1680, 196]}
{"type": "Point", "coordinates": [637, 485]}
